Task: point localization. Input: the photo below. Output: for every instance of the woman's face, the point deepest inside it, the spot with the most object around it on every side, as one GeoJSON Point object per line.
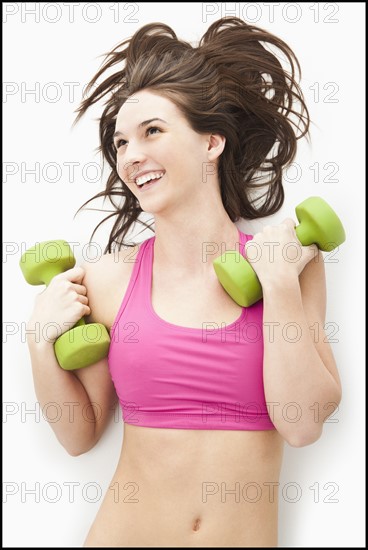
{"type": "Point", "coordinates": [167, 147]}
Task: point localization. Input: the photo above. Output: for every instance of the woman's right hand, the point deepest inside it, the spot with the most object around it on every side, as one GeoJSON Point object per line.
{"type": "Point", "coordinates": [61, 304]}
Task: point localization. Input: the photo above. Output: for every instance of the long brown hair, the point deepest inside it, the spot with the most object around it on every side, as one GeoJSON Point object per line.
{"type": "Point", "coordinates": [232, 84]}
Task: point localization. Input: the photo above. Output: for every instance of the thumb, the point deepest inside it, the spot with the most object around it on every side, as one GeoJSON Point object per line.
{"type": "Point", "coordinates": [312, 251]}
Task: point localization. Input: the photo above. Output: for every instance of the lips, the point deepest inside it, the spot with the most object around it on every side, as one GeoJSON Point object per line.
{"type": "Point", "coordinates": [146, 175]}
{"type": "Point", "coordinates": [149, 184]}
{"type": "Point", "coordinates": [143, 179]}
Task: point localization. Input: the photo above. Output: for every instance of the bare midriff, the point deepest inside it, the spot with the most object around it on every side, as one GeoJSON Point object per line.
{"type": "Point", "coordinates": [175, 487]}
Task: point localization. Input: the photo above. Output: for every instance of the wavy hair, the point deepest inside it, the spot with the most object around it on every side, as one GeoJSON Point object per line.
{"type": "Point", "coordinates": [233, 84]}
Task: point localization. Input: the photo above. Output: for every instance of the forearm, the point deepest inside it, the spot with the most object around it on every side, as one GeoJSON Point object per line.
{"type": "Point", "coordinates": [63, 399]}
{"type": "Point", "coordinates": [298, 386]}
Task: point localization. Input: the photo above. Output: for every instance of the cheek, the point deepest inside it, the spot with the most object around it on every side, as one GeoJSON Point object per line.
{"type": "Point", "coordinates": [123, 175]}
{"type": "Point", "coordinates": [119, 166]}
{"type": "Point", "coordinates": [121, 170]}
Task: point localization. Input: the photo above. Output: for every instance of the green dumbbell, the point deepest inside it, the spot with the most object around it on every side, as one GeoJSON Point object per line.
{"type": "Point", "coordinates": [319, 225]}
{"type": "Point", "coordinates": [83, 344]}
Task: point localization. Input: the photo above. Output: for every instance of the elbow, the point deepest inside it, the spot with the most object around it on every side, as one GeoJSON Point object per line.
{"type": "Point", "coordinates": [311, 430]}
{"type": "Point", "coordinates": [79, 443]}
{"type": "Point", "coordinates": [78, 450]}
{"type": "Point", "coordinates": [311, 433]}
{"type": "Point", "coordinates": [303, 438]}
{"type": "Point", "coordinates": [338, 396]}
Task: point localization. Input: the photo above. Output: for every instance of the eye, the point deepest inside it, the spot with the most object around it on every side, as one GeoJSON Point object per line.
{"type": "Point", "coordinates": [153, 128]}
{"type": "Point", "coordinates": [119, 143]}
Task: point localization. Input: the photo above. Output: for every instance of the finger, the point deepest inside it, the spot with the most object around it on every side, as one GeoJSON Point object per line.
{"type": "Point", "coordinates": [290, 223]}
{"type": "Point", "coordinates": [74, 275]}
{"type": "Point", "coordinates": [80, 289]}
{"type": "Point", "coordinates": [314, 250]}
{"type": "Point", "coordinates": [310, 251]}
{"type": "Point", "coordinates": [87, 311]}
{"type": "Point", "coordinates": [83, 299]}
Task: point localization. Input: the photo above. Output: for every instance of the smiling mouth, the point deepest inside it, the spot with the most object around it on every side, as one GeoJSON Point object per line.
{"type": "Point", "coordinates": [150, 179]}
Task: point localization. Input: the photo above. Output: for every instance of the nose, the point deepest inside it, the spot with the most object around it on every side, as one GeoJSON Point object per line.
{"type": "Point", "coordinates": [128, 165]}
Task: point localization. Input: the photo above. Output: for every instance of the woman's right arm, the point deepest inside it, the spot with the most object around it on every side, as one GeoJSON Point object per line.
{"type": "Point", "coordinates": [66, 402]}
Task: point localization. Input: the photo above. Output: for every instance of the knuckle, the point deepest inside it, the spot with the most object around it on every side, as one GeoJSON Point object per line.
{"type": "Point", "coordinates": [55, 281]}
{"type": "Point", "coordinates": [79, 308]}
{"type": "Point", "coordinates": [81, 270]}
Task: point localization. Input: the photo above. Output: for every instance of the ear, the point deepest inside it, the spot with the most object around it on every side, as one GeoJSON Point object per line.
{"type": "Point", "coordinates": [216, 144]}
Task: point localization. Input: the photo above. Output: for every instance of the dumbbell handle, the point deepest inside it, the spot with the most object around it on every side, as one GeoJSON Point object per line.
{"type": "Point", "coordinates": [320, 225]}
{"type": "Point", "coordinates": [250, 279]}
{"type": "Point", "coordinates": [39, 265]}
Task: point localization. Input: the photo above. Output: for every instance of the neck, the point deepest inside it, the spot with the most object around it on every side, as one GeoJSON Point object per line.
{"type": "Point", "coordinates": [188, 245]}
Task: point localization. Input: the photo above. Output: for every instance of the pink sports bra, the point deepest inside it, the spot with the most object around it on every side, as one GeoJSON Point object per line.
{"type": "Point", "coordinates": [170, 376]}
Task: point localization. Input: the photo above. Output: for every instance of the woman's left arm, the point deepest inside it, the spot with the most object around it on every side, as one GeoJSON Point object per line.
{"type": "Point", "coordinates": [301, 381]}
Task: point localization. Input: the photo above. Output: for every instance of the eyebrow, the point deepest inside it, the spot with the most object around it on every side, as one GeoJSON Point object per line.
{"type": "Point", "coordinates": [141, 125]}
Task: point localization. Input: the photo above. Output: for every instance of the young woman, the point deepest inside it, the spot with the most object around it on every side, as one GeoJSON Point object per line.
{"type": "Point", "coordinates": [209, 390]}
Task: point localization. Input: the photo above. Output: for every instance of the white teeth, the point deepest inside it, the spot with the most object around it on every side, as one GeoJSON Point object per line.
{"type": "Point", "coordinates": [148, 177]}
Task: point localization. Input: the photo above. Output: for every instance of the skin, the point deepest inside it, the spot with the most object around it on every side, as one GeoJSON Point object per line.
{"type": "Point", "coordinates": [188, 209]}
{"type": "Point", "coordinates": [174, 487]}
{"type": "Point", "coordinates": [160, 494]}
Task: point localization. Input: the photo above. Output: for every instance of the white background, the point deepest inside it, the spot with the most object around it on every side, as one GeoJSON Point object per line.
{"type": "Point", "coordinates": [54, 46]}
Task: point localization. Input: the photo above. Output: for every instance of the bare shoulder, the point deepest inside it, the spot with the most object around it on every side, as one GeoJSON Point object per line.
{"type": "Point", "coordinates": [106, 281]}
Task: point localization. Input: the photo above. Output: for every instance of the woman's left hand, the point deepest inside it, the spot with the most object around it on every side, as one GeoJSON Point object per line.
{"type": "Point", "coordinates": [276, 253]}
